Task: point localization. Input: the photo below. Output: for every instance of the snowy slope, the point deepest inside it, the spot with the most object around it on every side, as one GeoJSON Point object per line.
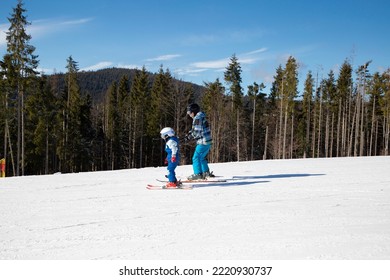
{"type": "Point", "coordinates": [302, 209]}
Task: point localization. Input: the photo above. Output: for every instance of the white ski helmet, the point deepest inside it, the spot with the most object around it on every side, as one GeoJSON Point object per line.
{"type": "Point", "coordinates": [167, 132]}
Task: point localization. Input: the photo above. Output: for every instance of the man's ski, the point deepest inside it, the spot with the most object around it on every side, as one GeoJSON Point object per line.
{"type": "Point", "coordinates": [197, 181]}
{"type": "Point", "coordinates": [156, 187]}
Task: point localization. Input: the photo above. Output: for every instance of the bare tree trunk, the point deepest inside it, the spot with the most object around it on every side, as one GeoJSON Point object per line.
{"type": "Point", "coordinates": [357, 128]}
{"type": "Point", "coordinates": [351, 133]}
{"type": "Point", "coordinates": [141, 144]}
{"type": "Point", "coordinates": [266, 143]}
{"type": "Point", "coordinates": [22, 134]}
{"type": "Point", "coordinates": [285, 134]}
{"type": "Point", "coordinates": [7, 139]}
{"type": "Point", "coordinates": [280, 129]}
{"type": "Point", "coordinates": [238, 135]}
{"type": "Point", "coordinates": [372, 127]}
{"type": "Point", "coordinates": [332, 135]}
{"type": "Point", "coordinates": [307, 131]}
{"type": "Point", "coordinates": [319, 126]}
{"type": "Point", "coordinates": [132, 140]}
{"type": "Point", "coordinates": [376, 138]}
{"type": "Point", "coordinates": [387, 132]}
{"type": "Point", "coordinates": [47, 150]}
{"type": "Point", "coordinates": [292, 137]}
{"type": "Point", "coordinates": [5, 127]}
{"type": "Point", "coordinates": [327, 132]}
{"type": "Point", "coordinates": [362, 132]}
{"type": "Point", "coordinates": [338, 130]}
{"type": "Point", "coordinates": [344, 135]}
{"type": "Point", "coordinates": [314, 133]}
{"type": "Point", "coordinates": [253, 127]}
{"type": "Point", "coordinates": [18, 149]}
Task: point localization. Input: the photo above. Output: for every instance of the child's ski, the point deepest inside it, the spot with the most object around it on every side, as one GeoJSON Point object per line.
{"type": "Point", "coordinates": [182, 187]}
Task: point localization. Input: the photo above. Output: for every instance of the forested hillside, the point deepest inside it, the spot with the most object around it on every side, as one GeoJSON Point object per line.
{"type": "Point", "coordinates": [96, 83]}
{"type": "Point", "coordinates": [110, 119]}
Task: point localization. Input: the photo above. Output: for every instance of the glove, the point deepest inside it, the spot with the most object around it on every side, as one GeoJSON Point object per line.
{"type": "Point", "coordinates": [188, 136]}
{"type": "Point", "coordinates": [173, 159]}
{"type": "Point", "coordinates": [166, 161]}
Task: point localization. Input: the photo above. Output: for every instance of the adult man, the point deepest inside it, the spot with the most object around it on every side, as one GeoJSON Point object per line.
{"type": "Point", "coordinates": [201, 133]}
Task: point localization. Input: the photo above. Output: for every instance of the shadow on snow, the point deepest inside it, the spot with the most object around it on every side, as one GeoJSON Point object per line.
{"type": "Point", "coordinates": [275, 176]}
{"type": "Point", "coordinates": [226, 184]}
{"type": "Point", "coordinates": [237, 180]}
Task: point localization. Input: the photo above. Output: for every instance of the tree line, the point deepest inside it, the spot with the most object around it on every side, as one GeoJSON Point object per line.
{"type": "Point", "coordinates": [51, 125]}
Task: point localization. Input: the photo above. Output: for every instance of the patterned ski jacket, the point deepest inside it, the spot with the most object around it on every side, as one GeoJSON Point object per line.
{"type": "Point", "coordinates": [201, 130]}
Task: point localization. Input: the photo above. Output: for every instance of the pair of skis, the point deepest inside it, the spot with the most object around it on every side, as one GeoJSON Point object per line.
{"type": "Point", "coordinates": [186, 184]}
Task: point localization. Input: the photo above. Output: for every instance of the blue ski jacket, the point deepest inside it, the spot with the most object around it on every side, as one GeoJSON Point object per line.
{"type": "Point", "coordinates": [172, 148]}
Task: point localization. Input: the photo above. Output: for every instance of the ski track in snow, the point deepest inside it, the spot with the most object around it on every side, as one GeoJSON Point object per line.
{"type": "Point", "coordinates": [335, 209]}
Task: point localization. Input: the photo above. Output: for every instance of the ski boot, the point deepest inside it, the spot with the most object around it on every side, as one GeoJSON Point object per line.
{"type": "Point", "coordinates": [208, 174]}
{"type": "Point", "coordinates": [170, 185]}
{"type": "Point", "coordinates": [195, 177]}
{"type": "Point", "coordinates": [173, 185]}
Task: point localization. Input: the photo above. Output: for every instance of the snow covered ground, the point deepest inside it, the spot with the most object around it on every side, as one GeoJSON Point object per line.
{"type": "Point", "coordinates": [304, 209]}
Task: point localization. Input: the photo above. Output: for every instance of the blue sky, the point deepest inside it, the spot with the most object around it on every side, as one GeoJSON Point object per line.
{"type": "Point", "coordinates": [196, 39]}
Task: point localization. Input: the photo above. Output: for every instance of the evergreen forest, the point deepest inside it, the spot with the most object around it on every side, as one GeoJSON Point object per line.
{"type": "Point", "coordinates": [110, 119]}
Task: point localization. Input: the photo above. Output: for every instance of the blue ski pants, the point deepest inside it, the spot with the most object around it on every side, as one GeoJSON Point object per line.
{"type": "Point", "coordinates": [199, 161]}
{"type": "Point", "coordinates": [171, 169]}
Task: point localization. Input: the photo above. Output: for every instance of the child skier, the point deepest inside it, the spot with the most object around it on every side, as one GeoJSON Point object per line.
{"type": "Point", "coordinates": [173, 155]}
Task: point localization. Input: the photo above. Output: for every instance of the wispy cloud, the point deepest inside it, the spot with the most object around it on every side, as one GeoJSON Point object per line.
{"type": "Point", "coordinates": [256, 51]}
{"type": "Point", "coordinates": [129, 66]}
{"type": "Point", "coordinates": [211, 64]}
{"type": "Point", "coordinates": [97, 66]}
{"type": "Point", "coordinates": [245, 58]}
{"type": "Point", "coordinates": [164, 57]}
{"type": "Point", "coordinates": [195, 69]}
{"type": "Point", "coordinates": [43, 27]}
{"type": "Point", "coordinates": [76, 21]}
{"type": "Point", "coordinates": [189, 71]}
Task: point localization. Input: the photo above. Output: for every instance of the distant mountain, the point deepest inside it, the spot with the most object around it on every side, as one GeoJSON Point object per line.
{"type": "Point", "coordinates": [96, 83]}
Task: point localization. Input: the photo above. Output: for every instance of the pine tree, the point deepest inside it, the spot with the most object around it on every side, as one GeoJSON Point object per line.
{"type": "Point", "coordinates": [363, 81]}
{"type": "Point", "coordinates": [233, 79]}
{"type": "Point", "coordinates": [254, 91]}
{"type": "Point", "coordinates": [290, 92]}
{"type": "Point", "coordinates": [344, 87]}
{"type": "Point", "coordinates": [87, 133]}
{"type": "Point", "coordinates": [71, 140]}
{"type": "Point", "coordinates": [7, 111]}
{"type": "Point", "coordinates": [140, 108]}
{"type": "Point", "coordinates": [162, 112]}
{"type": "Point", "coordinates": [330, 109]}
{"type": "Point", "coordinates": [214, 105]}
{"type": "Point", "coordinates": [124, 119]}
{"type": "Point", "coordinates": [41, 125]}
{"type": "Point", "coordinates": [275, 109]}
{"type": "Point", "coordinates": [385, 108]}
{"type": "Point", "coordinates": [113, 128]}
{"type": "Point", "coordinates": [375, 92]}
{"type": "Point", "coordinates": [22, 62]}
{"type": "Point", "coordinates": [306, 113]}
